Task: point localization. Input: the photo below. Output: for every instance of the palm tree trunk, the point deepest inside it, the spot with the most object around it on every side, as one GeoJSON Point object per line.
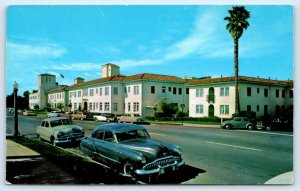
{"type": "Point", "coordinates": [236, 73]}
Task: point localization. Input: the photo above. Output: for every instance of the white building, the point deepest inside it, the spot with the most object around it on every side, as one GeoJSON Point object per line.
{"type": "Point", "coordinates": [216, 96]}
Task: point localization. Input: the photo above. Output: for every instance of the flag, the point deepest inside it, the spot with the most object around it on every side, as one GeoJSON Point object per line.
{"type": "Point", "coordinates": [62, 76]}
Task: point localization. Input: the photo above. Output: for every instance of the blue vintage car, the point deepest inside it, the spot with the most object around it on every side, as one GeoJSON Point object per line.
{"type": "Point", "coordinates": [129, 149]}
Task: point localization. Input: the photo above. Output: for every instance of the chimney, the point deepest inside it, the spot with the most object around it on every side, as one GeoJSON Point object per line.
{"type": "Point", "coordinates": [78, 80]}
{"type": "Point", "coordinates": [109, 70]}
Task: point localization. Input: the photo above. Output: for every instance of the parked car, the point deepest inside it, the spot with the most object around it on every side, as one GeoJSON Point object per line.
{"type": "Point", "coordinates": [108, 117]}
{"type": "Point", "coordinates": [78, 115]}
{"type": "Point", "coordinates": [59, 130]}
{"type": "Point", "coordinates": [278, 124]}
{"type": "Point", "coordinates": [132, 118]}
{"type": "Point", "coordinates": [28, 113]}
{"type": "Point", "coordinates": [54, 114]}
{"type": "Point", "coordinates": [129, 149]}
{"type": "Point", "coordinates": [239, 122]}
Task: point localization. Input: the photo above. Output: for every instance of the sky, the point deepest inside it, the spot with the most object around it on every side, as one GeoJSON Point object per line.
{"type": "Point", "coordinates": [185, 41]}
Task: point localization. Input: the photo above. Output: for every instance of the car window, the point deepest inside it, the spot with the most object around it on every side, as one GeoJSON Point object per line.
{"type": "Point", "coordinates": [46, 124]}
{"type": "Point", "coordinates": [108, 136]}
{"type": "Point", "coordinates": [43, 124]}
{"type": "Point", "coordinates": [134, 134]}
{"type": "Point", "coordinates": [244, 119]}
{"type": "Point", "coordinates": [98, 135]}
{"type": "Point", "coordinates": [237, 119]}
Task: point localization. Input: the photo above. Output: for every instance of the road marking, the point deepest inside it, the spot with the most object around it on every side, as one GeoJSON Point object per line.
{"type": "Point", "coordinates": [249, 148]}
{"type": "Point", "coordinates": [262, 132]}
{"type": "Point", "coordinates": [158, 134]}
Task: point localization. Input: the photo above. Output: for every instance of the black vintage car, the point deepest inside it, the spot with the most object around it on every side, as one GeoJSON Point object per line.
{"type": "Point", "coordinates": [129, 149]}
{"type": "Point", "coordinates": [277, 124]}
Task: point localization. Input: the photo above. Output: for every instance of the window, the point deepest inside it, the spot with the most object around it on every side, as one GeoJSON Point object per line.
{"type": "Point", "coordinates": [106, 106]}
{"type": "Point", "coordinates": [91, 92]}
{"type": "Point", "coordinates": [152, 89]}
{"type": "Point", "coordinates": [136, 90]}
{"type": "Point", "coordinates": [163, 89]}
{"type": "Point", "coordinates": [179, 91]}
{"type": "Point", "coordinates": [90, 106]}
{"type": "Point", "coordinates": [96, 91]}
{"type": "Point", "coordinates": [266, 92]}
{"type": "Point", "coordinates": [291, 93]}
{"type": "Point", "coordinates": [248, 107]}
{"type": "Point", "coordinates": [187, 90]}
{"type": "Point", "coordinates": [174, 90]}
{"type": "Point", "coordinates": [224, 109]}
{"type": "Point", "coordinates": [199, 108]}
{"type": "Point", "coordinates": [106, 90]}
{"type": "Point", "coordinates": [79, 93]}
{"type": "Point", "coordinates": [108, 136]}
{"type": "Point", "coordinates": [115, 90]}
{"type": "Point", "coordinates": [257, 90]}
{"type": "Point", "coordinates": [283, 93]}
{"type": "Point", "coordinates": [224, 91]}
{"type": "Point", "coordinates": [94, 106]}
{"type": "Point", "coordinates": [98, 134]}
{"type": "Point", "coordinates": [136, 106]}
{"type": "Point", "coordinates": [115, 106]}
{"type": "Point", "coordinates": [199, 92]}
{"type": "Point", "coordinates": [100, 106]}
{"type": "Point", "coordinates": [128, 106]}
{"type": "Point", "coordinates": [85, 92]}
{"type": "Point", "coordinates": [170, 89]}
{"type": "Point", "coordinates": [128, 89]}
{"type": "Point", "coordinates": [277, 92]}
{"type": "Point", "coordinates": [248, 91]}
{"type": "Point", "coordinates": [125, 90]}
{"type": "Point", "coordinates": [257, 108]}
{"type": "Point", "coordinates": [265, 109]}
{"type": "Point", "coordinates": [75, 106]}
{"type": "Point", "coordinates": [100, 89]}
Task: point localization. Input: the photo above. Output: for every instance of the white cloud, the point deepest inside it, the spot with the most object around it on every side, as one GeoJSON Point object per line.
{"type": "Point", "coordinates": [133, 63]}
{"type": "Point", "coordinates": [19, 51]}
{"type": "Point", "coordinates": [85, 66]}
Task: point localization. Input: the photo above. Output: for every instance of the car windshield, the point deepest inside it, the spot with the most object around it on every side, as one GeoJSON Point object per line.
{"type": "Point", "coordinates": [61, 122]}
{"type": "Point", "coordinates": [134, 134]}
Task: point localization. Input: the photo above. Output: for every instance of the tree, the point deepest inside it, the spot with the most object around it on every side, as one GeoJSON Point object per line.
{"type": "Point", "coordinates": [237, 22]}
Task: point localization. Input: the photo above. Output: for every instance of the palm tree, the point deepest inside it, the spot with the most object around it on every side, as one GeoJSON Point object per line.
{"type": "Point", "coordinates": [237, 22]}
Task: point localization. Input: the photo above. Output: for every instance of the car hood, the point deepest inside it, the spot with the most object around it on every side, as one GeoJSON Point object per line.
{"type": "Point", "coordinates": [68, 129]}
{"type": "Point", "coordinates": [150, 148]}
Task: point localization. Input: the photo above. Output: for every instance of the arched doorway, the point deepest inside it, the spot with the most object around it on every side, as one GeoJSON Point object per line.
{"type": "Point", "coordinates": [211, 111]}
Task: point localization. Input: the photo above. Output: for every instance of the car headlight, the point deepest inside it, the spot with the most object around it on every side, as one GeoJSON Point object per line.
{"type": "Point", "coordinates": [59, 134]}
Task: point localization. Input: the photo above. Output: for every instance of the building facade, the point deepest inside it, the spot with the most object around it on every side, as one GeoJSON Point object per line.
{"type": "Point", "coordinates": [145, 93]}
{"type": "Point", "coordinates": [216, 96]}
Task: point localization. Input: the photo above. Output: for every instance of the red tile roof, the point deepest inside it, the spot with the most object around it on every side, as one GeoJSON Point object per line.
{"type": "Point", "coordinates": [118, 77]}
{"type": "Point", "coordinates": [57, 89]}
{"type": "Point", "coordinates": [154, 77]}
{"type": "Point", "coordinates": [241, 79]}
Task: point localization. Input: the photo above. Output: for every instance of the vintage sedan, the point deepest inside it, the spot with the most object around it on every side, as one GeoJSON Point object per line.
{"type": "Point", "coordinates": [239, 122]}
{"type": "Point", "coordinates": [60, 130]}
{"type": "Point", "coordinates": [129, 149]}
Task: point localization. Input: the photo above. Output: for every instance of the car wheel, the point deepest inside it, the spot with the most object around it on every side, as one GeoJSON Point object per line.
{"type": "Point", "coordinates": [95, 119]}
{"type": "Point", "coordinates": [268, 128]}
{"type": "Point", "coordinates": [227, 126]}
{"type": "Point", "coordinates": [250, 127]}
{"type": "Point", "coordinates": [108, 121]}
{"type": "Point", "coordinates": [128, 169]}
{"type": "Point", "coordinates": [259, 125]}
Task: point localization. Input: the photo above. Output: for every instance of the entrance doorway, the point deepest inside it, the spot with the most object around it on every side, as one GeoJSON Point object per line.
{"type": "Point", "coordinates": [211, 111]}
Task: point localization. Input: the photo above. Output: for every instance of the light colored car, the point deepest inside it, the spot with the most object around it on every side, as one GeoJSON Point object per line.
{"type": "Point", "coordinates": [108, 117]}
{"type": "Point", "coordinates": [132, 118]}
{"type": "Point", "coordinates": [59, 130]}
{"type": "Point", "coordinates": [28, 113]}
{"type": "Point", "coordinates": [54, 114]}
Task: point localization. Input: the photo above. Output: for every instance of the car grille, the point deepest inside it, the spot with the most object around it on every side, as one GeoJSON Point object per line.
{"type": "Point", "coordinates": [161, 162]}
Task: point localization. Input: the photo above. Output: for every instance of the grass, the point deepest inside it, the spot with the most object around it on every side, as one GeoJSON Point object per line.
{"type": "Point", "coordinates": [40, 112]}
{"type": "Point", "coordinates": [186, 122]}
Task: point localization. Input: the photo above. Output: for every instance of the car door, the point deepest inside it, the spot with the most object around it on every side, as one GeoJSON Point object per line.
{"type": "Point", "coordinates": [95, 145]}
{"type": "Point", "coordinates": [48, 131]}
{"type": "Point", "coordinates": [236, 122]}
{"type": "Point", "coordinates": [108, 151]}
{"type": "Point", "coordinates": [244, 122]}
{"type": "Point", "coordinates": [40, 130]}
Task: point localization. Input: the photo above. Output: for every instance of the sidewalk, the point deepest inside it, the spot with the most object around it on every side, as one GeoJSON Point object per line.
{"type": "Point", "coordinates": [179, 124]}
{"type": "Point", "coordinates": [15, 151]}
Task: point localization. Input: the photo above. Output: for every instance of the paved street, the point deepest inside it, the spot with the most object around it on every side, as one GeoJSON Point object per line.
{"type": "Point", "coordinates": [217, 156]}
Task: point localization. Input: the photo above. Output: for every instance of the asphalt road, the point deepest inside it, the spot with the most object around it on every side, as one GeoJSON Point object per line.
{"type": "Point", "coordinates": [213, 156]}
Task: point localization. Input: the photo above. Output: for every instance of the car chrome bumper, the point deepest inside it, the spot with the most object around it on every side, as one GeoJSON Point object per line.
{"type": "Point", "coordinates": [68, 140]}
{"type": "Point", "coordinates": [161, 169]}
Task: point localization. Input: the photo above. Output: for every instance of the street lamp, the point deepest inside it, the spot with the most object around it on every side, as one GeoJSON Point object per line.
{"type": "Point", "coordinates": [16, 131]}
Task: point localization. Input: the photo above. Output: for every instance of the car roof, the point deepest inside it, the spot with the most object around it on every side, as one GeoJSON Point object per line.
{"type": "Point", "coordinates": [119, 128]}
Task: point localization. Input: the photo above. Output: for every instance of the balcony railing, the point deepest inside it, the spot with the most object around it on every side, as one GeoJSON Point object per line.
{"type": "Point", "coordinates": [210, 98]}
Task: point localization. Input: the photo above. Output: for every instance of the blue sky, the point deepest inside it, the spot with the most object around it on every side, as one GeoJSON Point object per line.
{"type": "Point", "coordinates": [173, 40]}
